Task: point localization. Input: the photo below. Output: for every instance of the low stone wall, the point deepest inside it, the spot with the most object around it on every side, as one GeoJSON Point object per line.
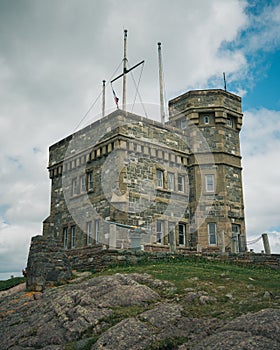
{"type": "Point", "coordinates": [49, 264]}
{"type": "Point", "coordinates": [272, 260]}
{"type": "Point", "coordinates": [96, 258]}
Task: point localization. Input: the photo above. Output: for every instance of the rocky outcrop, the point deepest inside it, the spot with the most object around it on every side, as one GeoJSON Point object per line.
{"type": "Point", "coordinates": [124, 312]}
{"type": "Point", "coordinates": [260, 330]}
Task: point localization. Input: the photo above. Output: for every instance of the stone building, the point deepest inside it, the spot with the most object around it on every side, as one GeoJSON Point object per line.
{"type": "Point", "coordinates": [126, 179]}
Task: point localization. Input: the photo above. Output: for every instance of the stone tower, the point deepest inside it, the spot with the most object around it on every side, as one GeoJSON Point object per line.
{"type": "Point", "coordinates": [212, 120]}
{"type": "Point", "coordinates": [179, 181]}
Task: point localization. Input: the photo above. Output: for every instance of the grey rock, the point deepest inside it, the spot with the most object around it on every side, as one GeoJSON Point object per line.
{"type": "Point", "coordinates": [190, 297]}
{"type": "Point", "coordinates": [263, 323]}
{"type": "Point", "coordinates": [76, 315]}
{"type": "Point", "coordinates": [234, 340]}
{"type": "Point", "coordinates": [229, 296]}
{"type": "Point", "coordinates": [267, 295]}
{"type": "Point", "coordinates": [126, 335]}
{"type": "Point", "coordinates": [256, 331]}
{"type": "Point", "coordinates": [65, 313]}
{"type": "Point", "coordinates": [206, 299]}
{"type": "Point", "coordinates": [163, 314]}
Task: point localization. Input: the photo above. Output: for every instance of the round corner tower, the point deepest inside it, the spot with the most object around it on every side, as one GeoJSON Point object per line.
{"type": "Point", "coordinates": [212, 120]}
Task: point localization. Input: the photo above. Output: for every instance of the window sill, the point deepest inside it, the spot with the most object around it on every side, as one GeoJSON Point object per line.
{"type": "Point", "coordinates": [78, 195]}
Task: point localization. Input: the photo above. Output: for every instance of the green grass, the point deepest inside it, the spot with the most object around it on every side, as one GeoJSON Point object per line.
{"type": "Point", "coordinates": [11, 282]}
{"type": "Point", "coordinates": [246, 284]}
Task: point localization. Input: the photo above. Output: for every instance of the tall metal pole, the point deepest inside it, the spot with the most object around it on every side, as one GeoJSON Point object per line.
{"type": "Point", "coordinates": [266, 244]}
{"type": "Point", "coordinates": [103, 98]}
{"type": "Point", "coordinates": [124, 69]}
{"type": "Point", "coordinates": [162, 113]}
{"type": "Point", "coordinates": [225, 82]}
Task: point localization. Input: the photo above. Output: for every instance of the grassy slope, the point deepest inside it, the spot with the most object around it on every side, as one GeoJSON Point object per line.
{"type": "Point", "coordinates": [246, 285]}
{"type": "Point", "coordinates": [11, 282]}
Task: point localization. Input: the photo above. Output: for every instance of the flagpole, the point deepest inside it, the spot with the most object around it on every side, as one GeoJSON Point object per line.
{"type": "Point", "coordinates": [124, 70]}
{"type": "Point", "coordinates": [162, 113]}
{"type": "Point", "coordinates": [103, 98]}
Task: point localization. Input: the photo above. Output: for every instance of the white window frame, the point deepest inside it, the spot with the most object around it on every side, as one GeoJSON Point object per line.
{"type": "Point", "coordinates": [65, 237]}
{"type": "Point", "coordinates": [181, 184]}
{"type": "Point", "coordinates": [159, 231]}
{"type": "Point", "coordinates": [97, 230]}
{"type": "Point", "coordinates": [229, 122]}
{"type": "Point", "coordinates": [75, 189]}
{"type": "Point", "coordinates": [171, 181]}
{"type": "Point", "coordinates": [182, 234]}
{"type": "Point", "coordinates": [82, 183]}
{"type": "Point", "coordinates": [209, 183]}
{"type": "Point", "coordinates": [159, 178]}
{"type": "Point", "coordinates": [89, 232]}
{"type": "Point", "coordinates": [183, 124]}
{"type": "Point", "coordinates": [90, 180]}
{"type": "Point", "coordinates": [73, 236]}
{"type": "Point", "coordinates": [212, 233]}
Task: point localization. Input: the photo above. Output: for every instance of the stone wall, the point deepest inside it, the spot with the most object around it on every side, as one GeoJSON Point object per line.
{"type": "Point", "coordinates": [97, 259]}
{"type": "Point", "coordinates": [47, 264]}
{"type": "Point", "coordinates": [123, 164]}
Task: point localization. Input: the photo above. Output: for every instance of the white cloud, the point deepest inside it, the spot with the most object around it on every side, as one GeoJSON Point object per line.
{"type": "Point", "coordinates": [14, 245]}
{"type": "Point", "coordinates": [260, 149]}
{"type": "Point", "coordinates": [264, 33]}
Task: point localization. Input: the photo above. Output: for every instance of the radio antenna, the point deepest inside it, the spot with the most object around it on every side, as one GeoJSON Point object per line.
{"type": "Point", "coordinates": [162, 113]}
{"type": "Point", "coordinates": [225, 82]}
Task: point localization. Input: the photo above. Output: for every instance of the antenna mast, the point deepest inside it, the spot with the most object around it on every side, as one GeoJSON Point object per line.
{"type": "Point", "coordinates": [162, 113]}
{"type": "Point", "coordinates": [123, 75]}
{"type": "Point", "coordinates": [225, 82]}
{"type": "Point", "coordinates": [103, 98]}
{"type": "Point", "coordinates": [124, 69]}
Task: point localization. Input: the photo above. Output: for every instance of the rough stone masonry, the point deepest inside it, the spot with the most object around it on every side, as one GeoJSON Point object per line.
{"type": "Point", "coordinates": [180, 181]}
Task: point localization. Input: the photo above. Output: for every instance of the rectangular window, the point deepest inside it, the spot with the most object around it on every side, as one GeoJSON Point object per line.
{"type": "Point", "coordinates": [90, 180]}
{"type": "Point", "coordinates": [65, 237]}
{"type": "Point", "coordinates": [159, 178]}
{"type": "Point", "coordinates": [235, 229]}
{"type": "Point", "coordinates": [209, 183]}
{"type": "Point", "coordinates": [206, 119]}
{"type": "Point", "coordinates": [75, 187]}
{"type": "Point", "coordinates": [82, 183]}
{"type": "Point", "coordinates": [212, 233]}
{"type": "Point", "coordinates": [89, 233]}
{"type": "Point", "coordinates": [182, 234]}
{"type": "Point", "coordinates": [229, 122]}
{"type": "Point", "coordinates": [97, 231]}
{"type": "Point", "coordinates": [160, 232]}
{"type": "Point", "coordinates": [181, 183]}
{"type": "Point", "coordinates": [73, 236]}
{"type": "Point", "coordinates": [236, 237]}
{"type": "Point", "coordinates": [171, 181]}
{"type": "Point", "coordinates": [183, 123]}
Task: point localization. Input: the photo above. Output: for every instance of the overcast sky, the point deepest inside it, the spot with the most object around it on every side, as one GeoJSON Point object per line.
{"type": "Point", "coordinates": [54, 55]}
